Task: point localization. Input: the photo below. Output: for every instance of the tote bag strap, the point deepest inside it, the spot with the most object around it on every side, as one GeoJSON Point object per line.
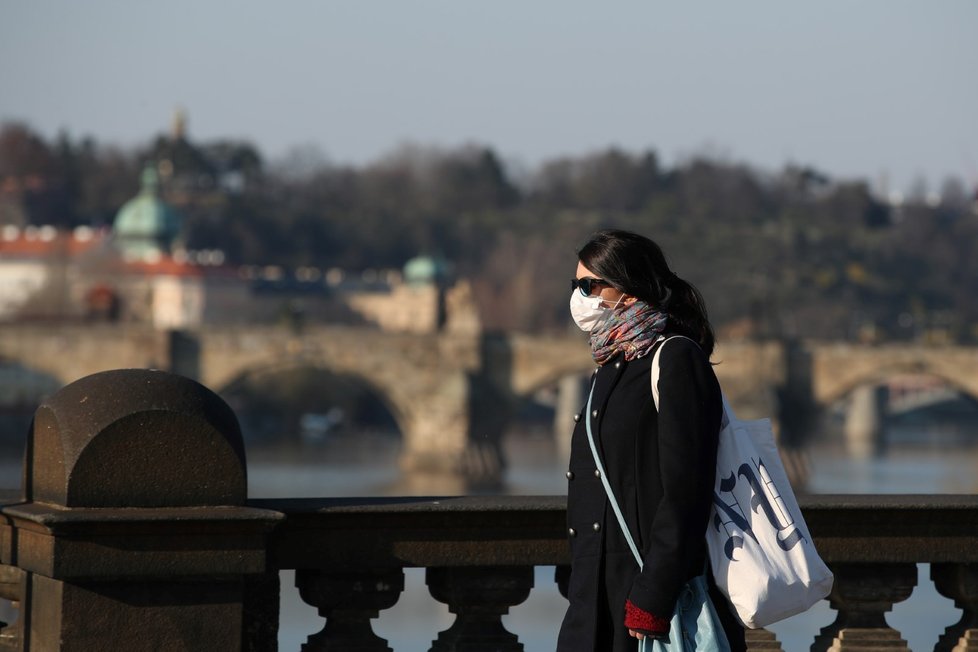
{"type": "Point", "coordinates": [607, 485]}
{"type": "Point", "coordinates": [655, 368]}
{"type": "Point", "coordinates": [728, 413]}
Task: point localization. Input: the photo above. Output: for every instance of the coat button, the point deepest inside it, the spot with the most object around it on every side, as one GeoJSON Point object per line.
{"type": "Point", "coordinates": [595, 414]}
{"type": "Point", "coordinates": [597, 473]}
{"type": "Point", "coordinates": [618, 365]}
{"type": "Point", "coordinates": [596, 527]}
{"type": "Point", "coordinates": [570, 475]}
{"type": "Point", "coordinates": [572, 532]}
{"type": "Point", "coordinates": [577, 417]}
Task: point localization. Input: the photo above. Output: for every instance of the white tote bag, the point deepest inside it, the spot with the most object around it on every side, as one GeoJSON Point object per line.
{"type": "Point", "coordinates": [760, 550]}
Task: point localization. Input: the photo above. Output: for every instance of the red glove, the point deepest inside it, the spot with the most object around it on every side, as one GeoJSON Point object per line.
{"type": "Point", "coordinates": [642, 621]}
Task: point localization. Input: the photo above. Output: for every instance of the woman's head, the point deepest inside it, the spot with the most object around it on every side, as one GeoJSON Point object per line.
{"type": "Point", "coordinates": [632, 264]}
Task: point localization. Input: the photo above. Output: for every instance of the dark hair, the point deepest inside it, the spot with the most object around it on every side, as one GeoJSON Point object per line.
{"type": "Point", "coordinates": [635, 265]}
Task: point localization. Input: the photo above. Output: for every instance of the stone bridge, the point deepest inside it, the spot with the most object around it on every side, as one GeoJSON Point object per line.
{"type": "Point", "coordinates": [452, 396]}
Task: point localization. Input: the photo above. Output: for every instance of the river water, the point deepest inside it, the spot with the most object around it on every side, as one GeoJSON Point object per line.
{"type": "Point", "coordinates": [535, 468]}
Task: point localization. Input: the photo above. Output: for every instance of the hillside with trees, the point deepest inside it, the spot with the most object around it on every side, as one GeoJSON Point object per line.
{"type": "Point", "coordinates": [788, 253]}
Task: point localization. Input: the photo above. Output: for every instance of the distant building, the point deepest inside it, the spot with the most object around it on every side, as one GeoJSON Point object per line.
{"type": "Point", "coordinates": [137, 272]}
{"type": "Point", "coordinates": [94, 275]}
{"type": "Point", "coordinates": [141, 272]}
{"type": "Point", "coordinates": [38, 267]}
{"type": "Point", "coordinates": [424, 300]}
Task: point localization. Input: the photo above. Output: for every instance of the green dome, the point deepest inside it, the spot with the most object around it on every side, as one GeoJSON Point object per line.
{"type": "Point", "coordinates": [146, 225]}
{"type": "Point", "coordinates": [423, 270]}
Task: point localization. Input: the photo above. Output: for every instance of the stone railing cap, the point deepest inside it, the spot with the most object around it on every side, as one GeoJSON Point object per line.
{"type": "Point", "coordinates": [135, 438]}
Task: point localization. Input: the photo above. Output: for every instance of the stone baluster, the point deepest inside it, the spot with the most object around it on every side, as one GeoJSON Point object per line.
{"type": "Point", "coordinates": [562, 577]}
{"type": "Point", "coordinates": [479, 597]}
{"type": "Point", "coordinates": [958, 582]}
{"type": "Point", "coordinates": [348, 601]}
{"type": "Point", "coordinates": [11, 588]}
{"type": "Point", "coordinates": [762, 639]}
{"type": "Point", "coordinates": [862, 594]}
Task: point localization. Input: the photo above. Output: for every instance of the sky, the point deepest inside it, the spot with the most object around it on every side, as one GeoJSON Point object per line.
{"type": "Point", "coordinates": [881, 90]}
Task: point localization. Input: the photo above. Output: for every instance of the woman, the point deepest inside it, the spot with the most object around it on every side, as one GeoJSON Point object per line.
{"type": "Point", "coordinates": [660, 464]}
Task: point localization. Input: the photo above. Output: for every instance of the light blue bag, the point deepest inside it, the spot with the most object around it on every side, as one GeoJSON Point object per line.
{"type": "Point", "coordinates": [695, 626]}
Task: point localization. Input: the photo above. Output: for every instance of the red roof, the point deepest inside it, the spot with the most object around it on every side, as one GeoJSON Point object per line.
{"type": "Point", "coordinates": [42, 242]}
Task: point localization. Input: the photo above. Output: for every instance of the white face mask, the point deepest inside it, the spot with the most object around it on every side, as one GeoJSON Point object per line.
{"type": "Point", "coordinates": [588, 311]}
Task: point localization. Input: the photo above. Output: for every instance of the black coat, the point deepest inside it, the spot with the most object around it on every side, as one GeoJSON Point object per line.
{"type": "Point", "coordinates": [661, 466]}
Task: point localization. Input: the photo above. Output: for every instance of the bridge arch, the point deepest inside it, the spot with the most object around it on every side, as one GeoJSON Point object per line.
{"type": "Point", "coordinates": [540, 362]}
{"type": "Point", "coordinates": [308, 398]}
{"type": "Point", "coordinates": [841, 370]}
{"type": "Point", "coordinates": [858, 374]}
{"type": "Point", "coordinates": [424, 380]}
{"type": "Point", "coordinates": [886, 375]}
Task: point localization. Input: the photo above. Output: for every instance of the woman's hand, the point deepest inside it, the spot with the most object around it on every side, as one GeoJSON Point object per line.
{"type": "Point", "coordinates": [638, 635]}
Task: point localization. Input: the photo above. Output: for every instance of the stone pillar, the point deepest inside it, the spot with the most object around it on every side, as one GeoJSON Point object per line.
{"type": "Point", "coordinates": [262, 596]}
{"type": "Point", "coordinates": [864, 422]}
{"type": "Point", "coordinates": [132, 532]}
{"type": "Point", "coordinates": [479, 597]}
{"type": "Point", "coordinates": [453, 439]}
{"type": "Point", "coordinates": [960, 583]}
{"type": "Point", "coordinates": [761, 639]}
{"type": "Point", "coordinates": [348, 602]}
{"type": "Point", "coordinates": [435, 435]}
{"type": "Point", "coordinates": [862, 594]}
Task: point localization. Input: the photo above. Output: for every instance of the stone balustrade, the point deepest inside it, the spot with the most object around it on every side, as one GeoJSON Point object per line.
{"type": "Point", "coordinates": [133, 532]}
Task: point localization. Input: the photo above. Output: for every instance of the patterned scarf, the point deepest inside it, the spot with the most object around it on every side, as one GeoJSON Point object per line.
{"type": "Point", "coordinates": [631, 330]}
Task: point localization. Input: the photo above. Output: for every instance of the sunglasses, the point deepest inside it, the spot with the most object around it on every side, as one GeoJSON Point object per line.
{"type": "Point", "coordinates": [585, 285]}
